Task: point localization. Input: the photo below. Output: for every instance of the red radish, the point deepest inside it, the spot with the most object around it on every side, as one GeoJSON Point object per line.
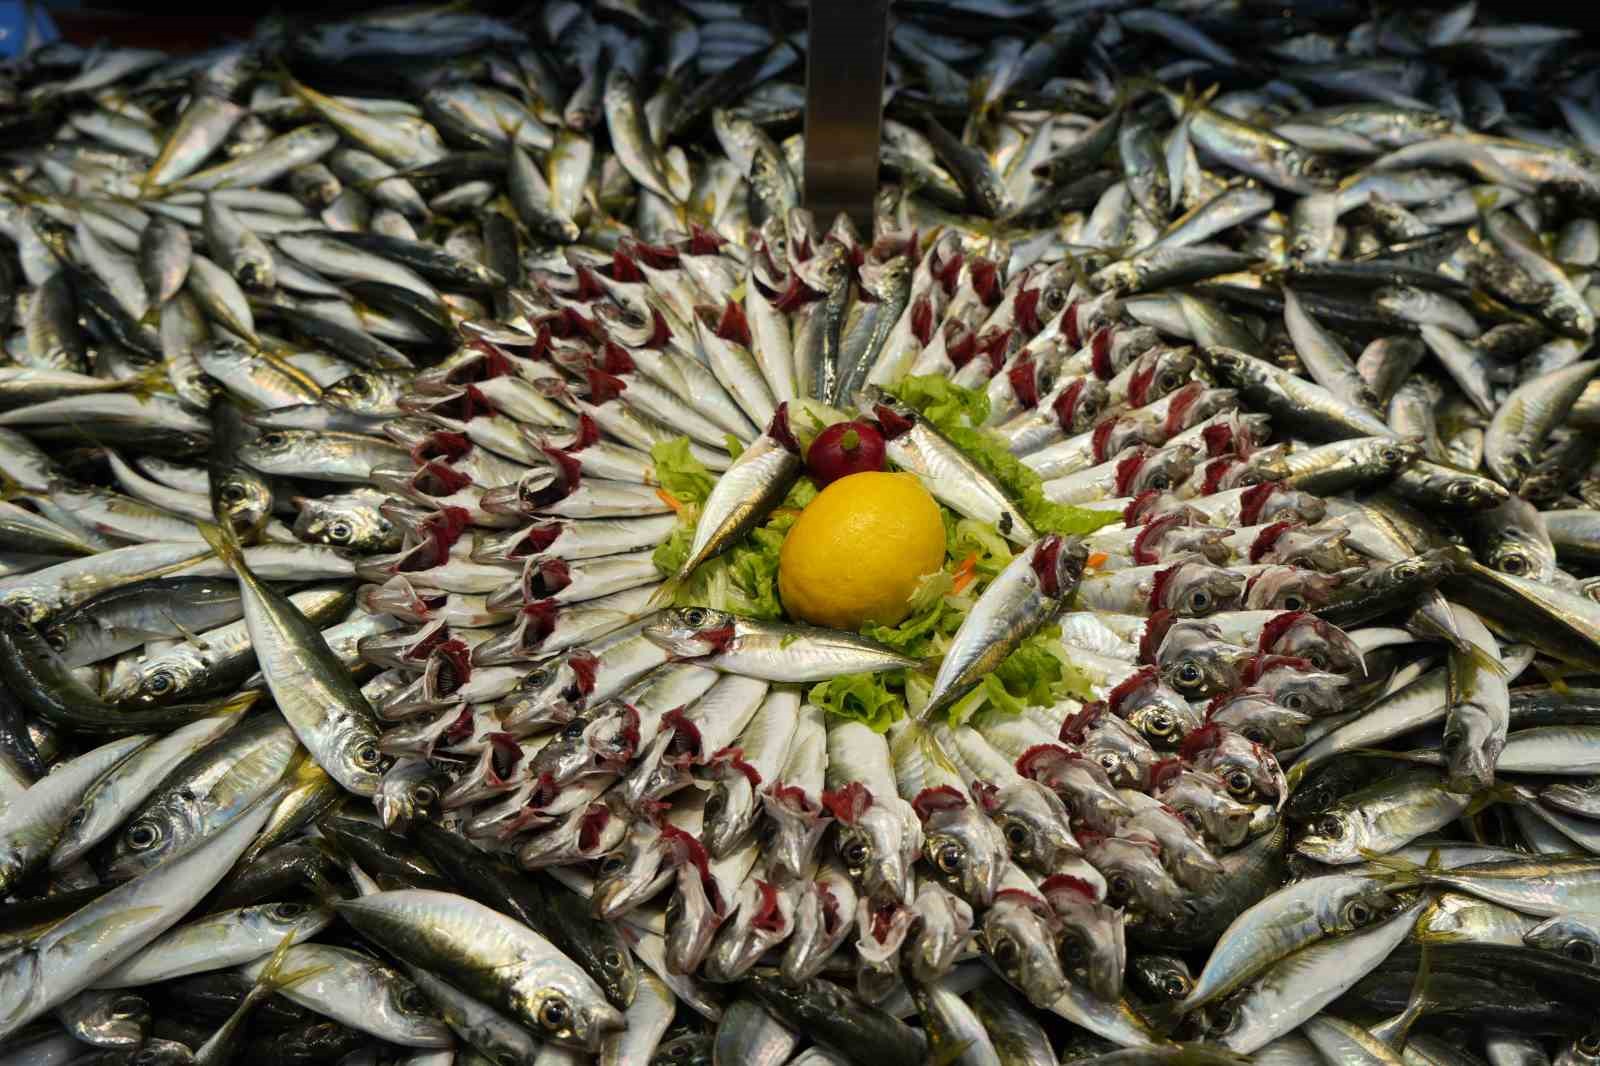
{"type": "Point", "coordinates": [845, 448]}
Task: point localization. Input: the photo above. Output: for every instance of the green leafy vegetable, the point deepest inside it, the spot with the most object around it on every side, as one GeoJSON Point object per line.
{"type": "Point", "coordinates": [865, 698]}
{"type": "Point", "coordinates": [956, 412]}
{"type": "Point", "coordinates": [680, 473]}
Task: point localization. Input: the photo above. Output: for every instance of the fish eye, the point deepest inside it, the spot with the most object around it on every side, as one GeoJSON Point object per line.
{"type": "Point", "coordinates": [1223, 1016]}
{"type": "Point", "coordinates": [1161, 725]}
{"type": "Point", "coordinates": [1458, 491]}
{"type": "Point", "coordinates": [1293, 602]}
{"type": "Point", "coordinates": [412, 1001]}
{"type": "Point", "coordinates": [1389, 455]}
{"type": "Point", "coordinates": [854, 854]}
{"type": "Point", "coordinates": [611, 865]}
{"type": "Point", "coordinates": [56, 638]}
{"type": "Point", "coordinates": [1171, 380]}
{"type": "Point", "coordinates": [1175, 987]}
{"type": "Point", "coordinates": [1005, 953]}
{"type": "Point", "coordinates": [158, 682]}
{"type": "Point", "coordinates": [424, 795]}
{"type": "Point", "coordinates": [142, 836]}
{"type": "Point", "coordinates": [367, 755]}
{"type": "Point", "coordinates": [554, 1014]}
{"type": "Point", "coordinates": [78, 817]}
{"type": "Point", "coordinates": [1579, 951]}
{"type": "Point", "coordinates": [1590, 1045]}
{"type": "Point", "coordinates": [1119, 886]}
{"type": "Point", "coordinates": [1515, 565]}
{"type": "Point", "coordinates": [274, 440]}
{"type": "Point", "coordinates": [1189, 674]}
{"type": "Point", "coordinates": [694, 617]}
{"type": "Point", "coordinates": [1109, 762]}
{"type": "Point", "coordinates": [127, 1007]}
{"type": "Point", "coordinates": [1160, 482]}
{"type": "Point", "coordinates": [1294, 701]}
{"type": "Point", "coordinates": [357, 385]}
{"type": "Point", "coordinates": [339, 532]}
{"type": "Point", "coordinates": [1254, 734]}
{"type": "Point", "coordinates": [1017, 836]}
{"type": "Point", "coordinates": [1317, 659]}
{"type": "Point", "coordinates": [289, 910]}
{"type": "Point", "coordinates": [507, 1058]}
{"type": "Point", "coordinates": [232, 493]}
{"type": "Point", "coordinates": [1073, 951]}
{"type": "Point", "coordinates": [1358, 913]}
{"type": "Point", "coordinates": [1199, 600]}
{"type": "Point", "coordinates": [1238, 783]}
{"type": "Point", "coordinates": [949, 858]}
{"type": "Point", "coordinates": [612, 959]}
{"type": "Point", "coordinates": [1330, 827]}
{"type": "Point", "coordinates": [1054, 299]}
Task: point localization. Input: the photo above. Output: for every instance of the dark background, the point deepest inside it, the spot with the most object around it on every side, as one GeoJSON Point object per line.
{"type": "Point", "coordinates": [148, 25]}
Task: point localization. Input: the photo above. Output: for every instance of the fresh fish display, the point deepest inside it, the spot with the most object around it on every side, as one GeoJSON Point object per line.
{"type": "Point", "coordinates": [404, 421]}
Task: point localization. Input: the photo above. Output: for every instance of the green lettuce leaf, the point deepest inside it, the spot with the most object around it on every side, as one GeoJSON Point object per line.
{"type": "Point", "coordinates": [680, 473]}
{"type": "Point", "coordinates": [866, 698]}
{"type": "Point", "coordinates": [957, 412]}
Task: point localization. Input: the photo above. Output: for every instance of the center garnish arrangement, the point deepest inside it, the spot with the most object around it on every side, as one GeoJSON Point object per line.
{"type": "Point", "coordinates": [488, 578]}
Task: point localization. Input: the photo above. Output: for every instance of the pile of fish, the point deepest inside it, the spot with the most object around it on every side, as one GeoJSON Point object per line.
{"type": "Point", "coordinates": [400, 416]}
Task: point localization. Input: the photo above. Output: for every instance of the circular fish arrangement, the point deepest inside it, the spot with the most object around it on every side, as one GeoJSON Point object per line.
{"type": "Point", "coordinates": [489, 578]}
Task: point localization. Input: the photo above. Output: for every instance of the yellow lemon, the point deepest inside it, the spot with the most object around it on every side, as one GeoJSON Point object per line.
{"type": "Point", "coordinates": [858, 551]}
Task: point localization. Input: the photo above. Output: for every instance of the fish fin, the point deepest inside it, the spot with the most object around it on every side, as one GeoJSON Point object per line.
{"type": "Point", "coordinates": [1400, 871]}
{"type": "Point", "coordinates": [272, 976]}
{"type": "Point", "coordinates": [667, 591]}
{"type": "Point", "coordinates": [224, 541]}
{"type": "Point", "coordinates": [1501, 793]}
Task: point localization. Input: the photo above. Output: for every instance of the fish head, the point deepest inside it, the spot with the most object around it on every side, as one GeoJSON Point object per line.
{"type": "Point", "coordinates": [763, 916]}
{"type": "Point", "coordinates": [350, 521]}
{"type": "Point", "coordinates": [159, 1052]}
{"type": "Point", "coordinates": [410, 791]}
{"type": "Point", "coordinates": [1135, 879]}
{"type": "Point", "coordinates": [1195, 590]}
{"type": "Point", "coordinates": [1322, 644]}
{"type": "Point", "coordinates": [355, 758]}
{"type": "Point", "coordinates": [1289, 588]}
{"type": "Point", "coordinates": [1090, 939]}
{"type": "Point", "coordinates": [1247, 770]}
{"type": "Point", "coordinates": [880, 849]}
{"type": "Point", "coordinates": [940, 933]}
{"type": "Point", "coordinates": [364, 392]}
{"type": "Point", "coordinates": [245, 499]}
{"type": "Point", "coordinates": [1584, 1051]}
{"type": "Point", "coordinates": [731, 810]}
{"type": "Point", "coordinates": [1173, 369]}
{"type": "Point", "coordinates": [1337, 836]}
{"type": "Point", "coordinates": [684, 1048]}
{"type": "Point", "coordinates": [281, 451]}
{"type": "Point", "coordinates": [1207, 542]}
{"type": "Point", "coordinates": [797, 823]}
{"type": "Point", "coordinates": [964, 847]}
{"type": "Point", "coordinates": [1573, 936]}
{"type": "Point", "coordinates": [1034, 824]}
{"type": "Point", "coordinates": [1471, 746]}
{"type": "Point", "coordinates": [1164, 470]}
{"type": "Point", "coordinates": [571, 1011]}
{"type": "Point", "coordinates": [821, 924]}
{"type": "Point", "coordinates": [691, 632]}
{"type": "Point", "coordinates": [1467, 492]}
{"type": "Point", "coordinates": [1203, 801]}
{"type": "Point", "coordinates": [1158, 712]}
{"type": "Point", "coordinates": [1017, 939]}
{"type": "Point", "coordinates": [1519, 557]}
{"type": "Point", "coordinates": [1292, 683]}
{"type": "Point", "coordinates": [1254, 716]}
{"type": "Point", "coordinates": [117, 1019]}
{"type": "Point", "coordinates": [1160, 977]}
{"type": "Point", "coordinates": [547, 696]}
{"type": "Point", "coordinates": [1354, 904]}
{"type": "Point", "coordinates": [623, 876]}
{"type": "Point", "coordinates": [156, 833]}
{"type": "Point", "coordinates": [1291, 505]}
{"type": "Point", "coordinates": [1196, 664]}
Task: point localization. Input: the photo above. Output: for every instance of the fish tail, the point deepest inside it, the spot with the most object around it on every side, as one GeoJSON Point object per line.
{"type": "Point", "coordinates": [224, 541]}
{"type": "Point", "coordinates": [1400, 871]}
{"type": "Point", "coordinates": [1419, 1003]}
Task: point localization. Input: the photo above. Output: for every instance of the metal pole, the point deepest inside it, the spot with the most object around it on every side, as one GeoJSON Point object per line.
{"type": "Point", "coordinates": [845, 57]}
